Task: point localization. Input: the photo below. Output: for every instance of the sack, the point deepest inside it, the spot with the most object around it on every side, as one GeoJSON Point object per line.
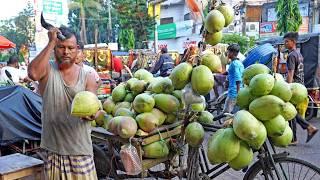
{"type": "Point", "coordinates": [189, 96]}
{"type": "Point", "coordinates": [130, 159]}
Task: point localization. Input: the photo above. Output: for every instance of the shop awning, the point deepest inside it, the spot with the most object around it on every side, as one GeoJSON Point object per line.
{"type": "Point", "coordinates": [5, 43]}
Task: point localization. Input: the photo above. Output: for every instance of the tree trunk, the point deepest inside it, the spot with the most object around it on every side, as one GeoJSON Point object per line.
{"type": "Point", "coordinates": [83, 33]}
{"type": "Point", "coordinates": [96, 46]}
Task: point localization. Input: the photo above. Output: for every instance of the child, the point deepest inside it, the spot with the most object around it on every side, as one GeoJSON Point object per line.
{"type": "Point", "coordinates": [234, 73]}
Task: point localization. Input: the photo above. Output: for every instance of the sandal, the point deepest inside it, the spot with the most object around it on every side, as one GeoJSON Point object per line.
{"type": "Point", "coordinates": [310, 135]}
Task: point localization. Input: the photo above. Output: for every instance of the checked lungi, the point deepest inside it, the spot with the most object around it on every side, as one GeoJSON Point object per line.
{"type": "Point", "coordinates": [62, 167]}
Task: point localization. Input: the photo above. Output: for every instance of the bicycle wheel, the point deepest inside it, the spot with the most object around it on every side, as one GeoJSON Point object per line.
{"type": "Point", "coordinates": [288, 168]}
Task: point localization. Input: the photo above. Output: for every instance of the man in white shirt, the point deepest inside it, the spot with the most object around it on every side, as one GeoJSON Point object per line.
{"type": "Point", "coordinates": [79, 61]}
{"type": "Point", "coordinates": [12, 68]}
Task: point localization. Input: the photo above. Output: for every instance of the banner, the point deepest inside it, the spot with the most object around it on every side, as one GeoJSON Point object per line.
{"type": "Point", "coordinates": [52, 7]}
{"type": "Point", "coordinates": [166, 31]}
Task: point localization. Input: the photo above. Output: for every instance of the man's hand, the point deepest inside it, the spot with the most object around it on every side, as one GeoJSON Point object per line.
{"type": "Point", "coordinates": [88, 118]}
{"type": "Point", "coordinates": [52, 34]}
{"type": "Point", "coordinates": [290, 76]}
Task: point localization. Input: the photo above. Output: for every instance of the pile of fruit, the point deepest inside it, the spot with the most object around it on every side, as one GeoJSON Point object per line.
{"type": "Point", "coordinates": [216, 20]}
{"type": "Point", "coordinates": [144, 103]}
{"type": "Point", "coordinates": [267, 103]}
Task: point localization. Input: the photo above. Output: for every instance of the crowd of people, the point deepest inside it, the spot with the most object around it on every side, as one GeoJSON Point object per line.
{"type": "Point", "coordinates": [66, 140]}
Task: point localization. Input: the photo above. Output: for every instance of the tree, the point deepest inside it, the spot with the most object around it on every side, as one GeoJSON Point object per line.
{"type": "Point", "coordinates": [20, 29]}
{"type": "Point", "coordinates": [85, 8]}
{"type": "Point", "coordinates": [131, 24]}
{"type": "Point", "coordinates": [133, 16]}
{"type": "Point", "coordinates": [244, 42]}
{"type": "Point", "coordinates": [289, 17]}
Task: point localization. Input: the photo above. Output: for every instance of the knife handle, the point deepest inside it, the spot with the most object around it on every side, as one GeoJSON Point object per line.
{"type": "Point", "coordinates": [61, 36]}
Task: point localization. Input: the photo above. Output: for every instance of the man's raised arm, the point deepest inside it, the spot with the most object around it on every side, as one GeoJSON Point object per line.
{"type": "Point", "coordinates": [39, 67]}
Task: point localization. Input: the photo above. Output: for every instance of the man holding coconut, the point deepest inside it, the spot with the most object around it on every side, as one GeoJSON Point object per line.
{"type": "Point", "coordinates": [65, 139]}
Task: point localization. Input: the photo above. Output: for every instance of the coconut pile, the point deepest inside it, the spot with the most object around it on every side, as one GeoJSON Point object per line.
{"type": "Point", "coordinates": [144, 103]}
{"type": "Point", "coordinates": [267, 103]}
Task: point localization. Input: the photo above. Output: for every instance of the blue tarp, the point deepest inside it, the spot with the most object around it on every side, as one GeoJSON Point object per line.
{"type": "Point", "coordinates": [120, 53]}
{"type": "Point", "coordinates": [260, 54]}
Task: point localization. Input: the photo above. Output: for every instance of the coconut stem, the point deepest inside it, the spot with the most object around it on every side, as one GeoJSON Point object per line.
{"type": "Point", "coordinates": [193, 163]}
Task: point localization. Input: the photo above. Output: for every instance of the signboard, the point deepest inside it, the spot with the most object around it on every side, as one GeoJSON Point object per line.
{"type": "Point", "coordinates": [178, 44]}
{"type": "Point", "coordinates": [174, 30]}
{"type": "Point", "coordinates": [166, 31]}
{"type": "Point", "coordinates": [52, 7]}
{"type": "Point", "coordinates": [268, 27]}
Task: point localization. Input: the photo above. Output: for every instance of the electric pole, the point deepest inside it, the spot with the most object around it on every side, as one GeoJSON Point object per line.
{"type": "Point", "coordinates": [244, 17]}
{"type": "Point", "coordinates": [154, 3]}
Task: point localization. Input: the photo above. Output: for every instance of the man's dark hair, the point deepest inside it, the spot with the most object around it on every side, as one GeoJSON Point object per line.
{"type": "Point", "coordinates": [67, 32]}
{"type": "Point", "coordinates": [164, 50]}
{"type": "Point", "coordinates": [234, 48]}
{"type": "Point", "coordinates": [13, 59]}
{"type": "Point", "coordinates": [292, 36]}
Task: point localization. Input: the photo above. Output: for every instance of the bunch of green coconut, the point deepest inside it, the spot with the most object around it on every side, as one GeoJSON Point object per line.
{"type": "Point", "coordinates": [267, 103]}
{"type": "Point", "coordinates": [215, 21]}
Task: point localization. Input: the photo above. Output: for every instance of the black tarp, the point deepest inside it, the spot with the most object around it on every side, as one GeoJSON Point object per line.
{"type": "Point", "coordinates": [20, 115]}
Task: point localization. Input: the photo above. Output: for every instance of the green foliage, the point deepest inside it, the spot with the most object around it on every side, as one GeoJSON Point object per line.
{"type": "Point", "coordinates": [127, 17]}
{"type": "Point", "coordinates": [289, 17]}
{"type": "Point", "coordinates": [84, 10]}
{"type": "Point", "coordinates": [244, 42]}
{"type": "Point", "coordinates": [126, 38]}
{"type": "Point", "coordinates": [133, 14]}
{"type": "Point", "coordinates": [21, 29]}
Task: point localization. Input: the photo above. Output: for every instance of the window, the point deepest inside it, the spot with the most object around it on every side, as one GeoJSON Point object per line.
{"type": "Point", "coordinates": [252, 27]}
{"type": "Point", "coordinates": [187, 17]}
{"type": "Point", "coordinates": [167, 20]}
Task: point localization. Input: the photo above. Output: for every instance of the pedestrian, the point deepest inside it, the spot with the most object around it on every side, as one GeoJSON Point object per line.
{"type": "Point", "coordinates": [12, 69]}
{"type": "Point", "coordinates": [117, 65]}
{"type": "Point", "coordinates": [80, 61]}
{"type": "Point", "coordinates": [234, 73]}
{"type": "Point", "coordinates": [134, 65]}
{"type": "Point", "coordinates": [65, 139]}
{"type": "Point", "coordinates": [296, 75]}
{"type": "Point", "coordinates": [165, 64]}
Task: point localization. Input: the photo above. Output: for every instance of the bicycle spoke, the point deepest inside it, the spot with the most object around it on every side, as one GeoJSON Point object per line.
{"type": "Point", "coordinates": [300, 172]}
{"type": "Point", "coordinates": [313, 176]}
{"type": "Point", "coordinates": [306, 174]}
{"type": "Point", "coordinates": [294, 167]}
{"type": "Point", "coordinates": [289, 171]}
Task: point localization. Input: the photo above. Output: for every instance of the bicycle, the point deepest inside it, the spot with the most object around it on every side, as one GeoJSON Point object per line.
{"type": "Point", "coordinates": [269, 164]}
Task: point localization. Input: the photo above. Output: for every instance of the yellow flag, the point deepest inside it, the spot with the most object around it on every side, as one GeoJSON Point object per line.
{"type": "Point", "coordinates": [154, 10]}
{"type": "Point", "coordinates": [150, 10]}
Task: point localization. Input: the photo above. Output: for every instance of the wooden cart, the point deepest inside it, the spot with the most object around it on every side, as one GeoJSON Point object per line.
{"type": "Point", "coordinates": [107, 148]}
